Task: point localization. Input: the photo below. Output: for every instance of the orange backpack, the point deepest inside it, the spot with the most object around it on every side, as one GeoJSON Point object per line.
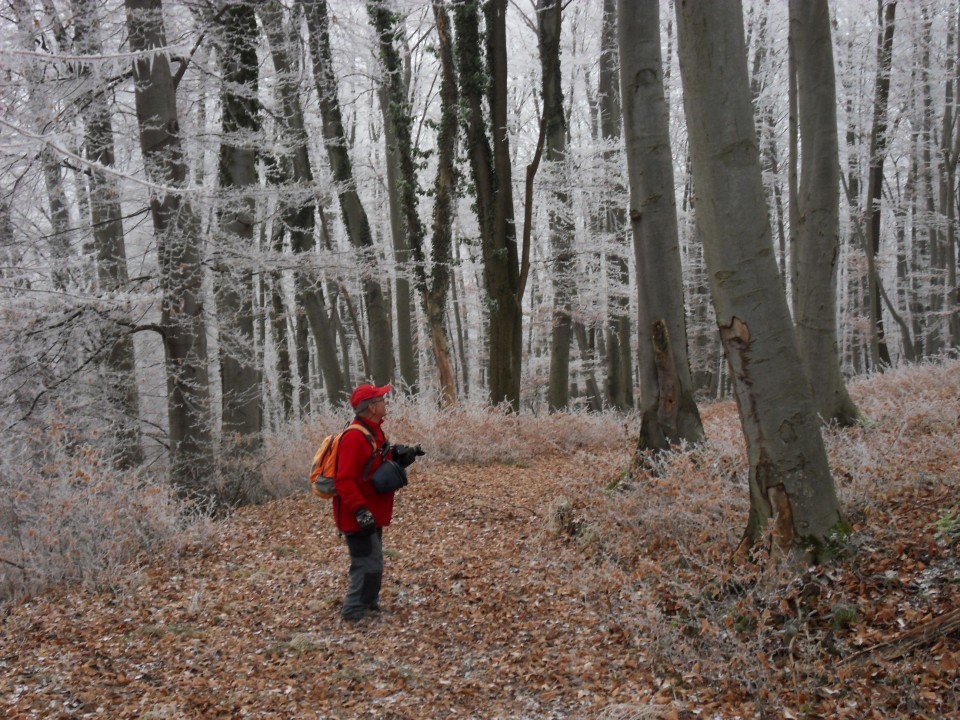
{"type": "Point", "coordinates": [324, 467]}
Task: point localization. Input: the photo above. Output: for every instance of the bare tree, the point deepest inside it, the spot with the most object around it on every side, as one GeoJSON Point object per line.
{"type": "Point", "coordinates": [490, 165]}
{"type": "Point", "coordinates": [817, 247]}
{"type": "Point", "coordinates": [112, 275]}
{"type": "Point", "coordinates": [380, 335]}
{"type": "Point", "coordinates": [298, 211]}
{"type": "Point", "coordinates": [669, 413]}
{"type": "Point", "coordinates": [879, 352]}
{"type": "Point", "coordinates": [177, 231]}
{"type": "Point", "coordinates": [549, 15]}
{"type": "Point", "coordinates": [242, 419]}
{"type": "Point", "coordinates": [619, 382]}
{"type": "Point", "coordinates": [433, 292]}
{"type": "Point", "coordinates": [790, 479]}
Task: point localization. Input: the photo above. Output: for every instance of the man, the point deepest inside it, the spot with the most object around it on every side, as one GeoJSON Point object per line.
{"type": "Point", "coordinates": [361, 512]}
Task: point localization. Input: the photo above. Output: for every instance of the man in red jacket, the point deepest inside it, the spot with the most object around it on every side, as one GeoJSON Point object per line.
{"type": "Point", "coordinates": [359, 510]}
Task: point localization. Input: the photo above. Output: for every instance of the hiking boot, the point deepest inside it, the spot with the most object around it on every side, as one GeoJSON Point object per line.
{"type": "Point", "coordinates": [356, 616]}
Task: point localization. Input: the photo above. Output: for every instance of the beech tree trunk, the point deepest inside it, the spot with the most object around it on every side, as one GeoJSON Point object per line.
{"type": "Point", "coordinates": [950, 152]}
{"type": "Point", "coordinates": [490, 166]}
{"type": "Point", "coordinates": [549, 15]}
{"type": "Point", "coordinates": [242, 418]}
{"type": "Point", "coordinates": [669, 413]}
{"type": "Point", "coordinates": [433, 294]}
{"type": "Point", "coordinates": [619, 380]}
{"type": "Point", "coordinates": [380, 334]}
{"type": "Point", "coordinates": [177, 231]}
{"type": "Point", "coordinates": [298, 214]}
{"type": "Point", "coordinates": [112, 276]}
{"type": "Point", "coordinates": [407, 366]}
{"type": "Point", "coordinates": [879, 352]}
{"type": "Point", "coordinates": [790, 479]}
{"type": "Point", "coordinates": [817, 247]}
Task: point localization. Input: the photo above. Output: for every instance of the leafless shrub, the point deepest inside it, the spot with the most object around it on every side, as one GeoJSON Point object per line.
{"type": "Point", "coordinates": [66, 517]}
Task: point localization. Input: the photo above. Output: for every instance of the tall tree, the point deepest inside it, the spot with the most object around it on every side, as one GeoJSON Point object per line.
{"type": "Point", "coordinates": [669, 413]}
{"type": "Point", "coordinates": [112, 274]}
{"type": "Point", "coordinates": [950, 153]}
{"type": "Point", "coordinates": [298, 207]}
{"type": "Point", "coordinates": [817, 247]}
{"type": "Point", "coordinates": [433, 292]}
{"type": "Point", "coordinates": [619, 381]}
{"type": "Point", "coordinates": [482, 76]}
{"type": "Point", "coordinates": [242, 419]}
{"type": "Point", "coordinates": [879, 352]}
{"type": "Point", "coordinates": [177, 230]}
{"type": "Point", "coordinates": [790, 479]}
{"type": "Point", "coordinates": [380, 335]}
{"type": "Point", "coordinates": [407, 360]}
{"type": "Point", "coordinates": [549, 18]}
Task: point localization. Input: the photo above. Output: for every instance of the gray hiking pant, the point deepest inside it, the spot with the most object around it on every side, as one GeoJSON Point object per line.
{"type": "Point", "coordinates": [366, 572]}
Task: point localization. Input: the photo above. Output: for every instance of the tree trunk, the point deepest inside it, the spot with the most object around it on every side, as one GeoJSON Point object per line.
{"type": "Point", "coordinates": [298, 214]}
{"type": "Point", "coordinates": [105, 214]}
{"type": "Point", "coordinates": [177, 229]}
{"type": "Point", "coordinates": [443, 214]}
{"type": "Point", "coordinates": [950, 152]}
{"type": "Point", "coordinates": [790, 479]}
{"type": "Point", "coordinates": [669, 413]}
{"type": "Point", "coordinates": [380, 334]}
{"type": "Point", "coordinates": [932, 341]}
{"type": "Point", "coordinates": [817, 246]}
{"type": "Point", "coordinates": [278, 324]}
{"type": "Point", "coordinates": [397, 112]}
{"type": "Point", "coordinates": [879, 352]}
{"type": "Point", "coordinates": [619, 380]}
{"type": "Point", "coordinates": [42, 118]}
{"type": "Point", "coordinates": [501, 258]}
{"type": "Point", "coordinates": [408, 369]}
{"type": "Point", "coordinates": [490, 166]}
{"type": "Point", "coordinates": [242, 421]}
{"type": "Point", "coordinates": [559, 210]}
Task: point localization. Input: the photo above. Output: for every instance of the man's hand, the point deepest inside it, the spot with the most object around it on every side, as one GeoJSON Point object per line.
{"type": "Point", "coordinates": [405, 455]}
{"type": "Point", "coordinates": [365, 519]}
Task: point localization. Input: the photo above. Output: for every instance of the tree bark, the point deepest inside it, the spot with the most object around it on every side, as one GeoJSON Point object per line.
{"type": "Point", "coordinates": [407, 365]}
{"type": "Point", "coordinates": [790, 479]}
{"type": "Point", "coordinates": [298, 214]}
{"type": "Point", "coordinates": [950, 152]}
{"type": "Point", "coordinates": [490, 166]}
{"type": "Point", "coordinates": [380, 334]}
{"type": "Point", "coordinates": [433, 294]}
{"type": "Point", "coordinates": [879, 352]}
{"type": "Point", "coordinates": [242, 418]}
{"type": "Point", "coordinates": [817, 246]}
{"type": "Point", "coordinates": [619, 380]}
{"type": "Point", "coordinates": [177, 230]}
{"type": "Point", "coordinates": [549, 16]}
{"type": "Point", "coordinates": [666, 391]}
{"type": "Point", "coordinates": [122, 392]}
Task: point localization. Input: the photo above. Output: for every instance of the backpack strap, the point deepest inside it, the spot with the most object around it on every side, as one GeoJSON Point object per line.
{"type": "Point", "coordinates": [373, 447]}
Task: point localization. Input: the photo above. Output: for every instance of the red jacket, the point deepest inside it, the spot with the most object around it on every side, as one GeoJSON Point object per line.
{"type": "Point", "coordinates": [354, 491]}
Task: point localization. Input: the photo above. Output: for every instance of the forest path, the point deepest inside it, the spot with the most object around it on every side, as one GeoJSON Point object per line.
{"type": "Point", "coordinates": [487, 614]}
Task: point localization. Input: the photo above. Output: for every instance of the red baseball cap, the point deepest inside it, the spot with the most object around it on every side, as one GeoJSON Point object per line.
{"type": "Point", "coordinates": [368, 392]}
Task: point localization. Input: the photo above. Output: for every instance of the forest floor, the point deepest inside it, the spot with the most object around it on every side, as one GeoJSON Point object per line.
{"type": "Point", "coordinates": [553, 588]}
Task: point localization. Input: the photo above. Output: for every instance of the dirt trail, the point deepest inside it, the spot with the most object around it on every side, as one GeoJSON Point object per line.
{"type": "Point", "coordinates": [486, 615]}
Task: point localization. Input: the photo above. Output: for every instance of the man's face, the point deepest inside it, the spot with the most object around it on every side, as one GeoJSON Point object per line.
{"type": "Point", "coordinates": [377, 409]}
